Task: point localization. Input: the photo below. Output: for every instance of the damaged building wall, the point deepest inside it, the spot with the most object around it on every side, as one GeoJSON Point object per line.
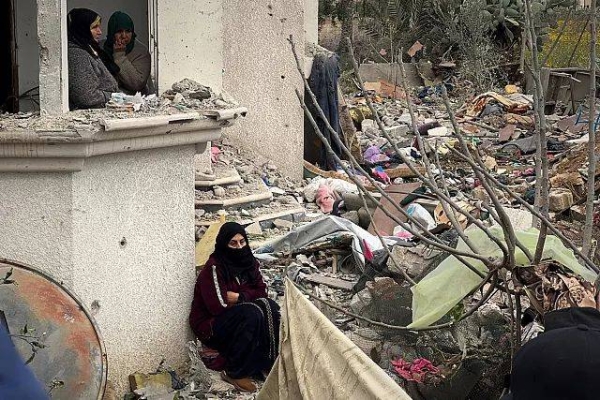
{"type": "Point", "coordinates": [120, 235]}
{"type": "Point", "coordinates": [260, 73]}
{"type": "Point", "coordinates": [190, 47]}
{"type": "Point", "coordinates": [133, 236]}
{"type": "Point", "coordinates": [35, 222]}
{"type": "Point", "coordinates": [28, 52]}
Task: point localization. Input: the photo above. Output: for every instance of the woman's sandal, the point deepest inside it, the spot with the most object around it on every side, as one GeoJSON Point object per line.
{"type": "Point", "coordinates": [241, 384]}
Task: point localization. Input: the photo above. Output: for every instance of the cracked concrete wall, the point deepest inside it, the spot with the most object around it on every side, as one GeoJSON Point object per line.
{"type": "Point", "coordinates": [35, 222]}
{"type": "Point", "coordinates": [311, 21]}
{"type": "Point", "coordinates": [28, 52]}
{"type": "Point", "coordinates": [53, 67]}
{"type": "Point", "coordinates": [120, 233]}
{"type": "Point", "coordinates": [260, 72]}
{"type": "Point", "coordinates": [190, 42]}
{"type": "Point", "coordinates": [133, 254]}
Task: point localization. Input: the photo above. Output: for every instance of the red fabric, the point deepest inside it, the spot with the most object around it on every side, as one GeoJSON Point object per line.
{"type": "Point", "coordinates": [416, 370]}
{"type": "Point", "coordinates": [206, 303]}
{"type": "Point", "coordinates": [367, 251]}
{"type": "Point", "coordinates": [212, 359]}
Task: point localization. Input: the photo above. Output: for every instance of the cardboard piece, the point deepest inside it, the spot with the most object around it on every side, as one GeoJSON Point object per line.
{"type": "Point", "coordinates": [385, 225]}
{"type": "Point", "coordinates": [206, 245]}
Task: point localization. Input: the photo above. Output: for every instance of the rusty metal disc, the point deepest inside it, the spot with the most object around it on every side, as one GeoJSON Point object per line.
{"type": "Point", "coordinates": [51, 329]}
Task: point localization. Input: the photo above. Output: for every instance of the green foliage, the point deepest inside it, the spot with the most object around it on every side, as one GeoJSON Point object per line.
{"type": "Point", "coordinates": [570, 47]}
{"type": "Point", "coordinates": [479, 34]}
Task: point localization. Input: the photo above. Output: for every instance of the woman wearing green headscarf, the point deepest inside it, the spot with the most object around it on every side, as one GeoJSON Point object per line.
{"type": "Point", "coordinates": [129, 54]}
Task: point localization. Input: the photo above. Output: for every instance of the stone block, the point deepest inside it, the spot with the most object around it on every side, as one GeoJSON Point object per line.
{"type": "Point", "coordinates": [139, 381]}
{"type": "Point", "coordinates": [560, 199]}
{"type": "Point", "coordinates": [283, 224]}
{"type": "Point", "coordinates": [254, 229]}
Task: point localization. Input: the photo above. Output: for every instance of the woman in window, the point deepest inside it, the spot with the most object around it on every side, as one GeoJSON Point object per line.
{"type": "Point", "coordinates": [91, 81]}
{"type": "Point", "coordinates": [129, 54]}
{"type": "Point", "coordinates": [231, 312]}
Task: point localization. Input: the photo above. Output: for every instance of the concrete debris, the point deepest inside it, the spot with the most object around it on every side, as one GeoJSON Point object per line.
{"type": "Point", "coordinates": [185, 96]}
{"type": "Point", "coordinates": [281, 215]}
{"type": "Point", "coordinates": [254, 229]}
{"type": "Point", "coordinates": [283, 224]}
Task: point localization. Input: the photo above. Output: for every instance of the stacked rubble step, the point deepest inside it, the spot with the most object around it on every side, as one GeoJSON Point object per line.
{"type": "Point", "coordinates": [249, 202]}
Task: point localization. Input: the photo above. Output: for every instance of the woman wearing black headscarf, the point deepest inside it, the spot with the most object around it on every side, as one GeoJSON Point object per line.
{"type": "Point", "coordinates": [231, 312]}
{"type": "Point", "coordinates": [91, 70]}
{"type": "Point", "coordinates": [129, 54]}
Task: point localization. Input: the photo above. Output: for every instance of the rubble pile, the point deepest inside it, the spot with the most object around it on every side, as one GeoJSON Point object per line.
{"type": "Point", "coordinates": [186, 96]}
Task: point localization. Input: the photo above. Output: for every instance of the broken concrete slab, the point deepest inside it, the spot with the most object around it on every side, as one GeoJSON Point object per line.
{"type": "Point", "coordinates": [283, 224]}
{"type": "Point", "coordinates": [224, 176]}
{"type": "Point", "coordinates": [254, 229]}
{"type": "Point", "coordinates": [520, 219]}
{"type": "Point", "coordinates": [329, 281]}
{"type": "Point", "coordinates": [560, 199]}
{"type": "Point", "coordinates": [252, 195]}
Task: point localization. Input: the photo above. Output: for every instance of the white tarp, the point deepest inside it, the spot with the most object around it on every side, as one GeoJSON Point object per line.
{"type": "Point", "coordinates": [317, 361]}
{"type": "Point", "coordinates": [317, 230]}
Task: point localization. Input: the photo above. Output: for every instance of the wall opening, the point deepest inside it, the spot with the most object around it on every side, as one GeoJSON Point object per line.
{"type": "Point", "coordinates": [138, 10]}
{"type": "Point", "coordinates": [8, 63]}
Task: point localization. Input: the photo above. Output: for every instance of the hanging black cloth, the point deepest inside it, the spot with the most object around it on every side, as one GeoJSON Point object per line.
{"type": "Point", "coordinates": [323, 83]}
{"type": "Point", "coordinates": [79, 22]}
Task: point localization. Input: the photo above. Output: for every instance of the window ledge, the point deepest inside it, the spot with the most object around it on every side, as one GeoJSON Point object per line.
{"type": "Point", "coordinates": [43, 148]}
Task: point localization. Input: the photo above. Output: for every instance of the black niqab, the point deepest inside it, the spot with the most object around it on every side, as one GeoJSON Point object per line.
{"type": "Point", "coordinates": [79, 22]}
{"type": "Point", "coordinates": [236, 262]}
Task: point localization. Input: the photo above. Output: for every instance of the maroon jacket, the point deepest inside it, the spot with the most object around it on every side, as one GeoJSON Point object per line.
{"type": "Point", "coordinates": [210, 295]}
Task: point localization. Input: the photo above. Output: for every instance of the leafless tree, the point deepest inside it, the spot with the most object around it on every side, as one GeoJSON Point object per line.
{"type": "Point", "coordinates": [591, 183]}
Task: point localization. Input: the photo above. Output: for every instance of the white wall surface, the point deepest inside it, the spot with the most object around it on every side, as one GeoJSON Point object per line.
{"type": "Point", "coordinates": [260, 72]}
{"type": "Point", "coordinates": [190, 42]}
{"type": "Point", "coordinates": [145, 286]}
{"type": "Point", "coordinates": [35, 223]}
{"type": "Point", "coordinates": [70, 225]}
{"type": "Point", "coordinates": [311, 21]}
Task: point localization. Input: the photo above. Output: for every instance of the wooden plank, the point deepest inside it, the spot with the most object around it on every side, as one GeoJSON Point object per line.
{"type": "Point", "coordinates": [506, 133]}
{"type": "Point", "coordinates": [403, 171]}
{"type": "Point", "coordinates": [331, 282]}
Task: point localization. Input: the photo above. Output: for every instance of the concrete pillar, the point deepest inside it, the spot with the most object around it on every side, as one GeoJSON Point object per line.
{"type": "Point", "coordinates": [261, 73]}
{"type": "Point", "coordinates": [311, 21]}
{"type": "Point", "coordinates": [52, 39]}
{"type": "Point", "coordinates": [110, 214]}
{"type": "Point", "coordinates": [190, 42]}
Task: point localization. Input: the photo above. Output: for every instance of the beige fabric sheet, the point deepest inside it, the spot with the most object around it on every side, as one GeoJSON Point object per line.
{"type": "Point", "coordinates": [317, 361]}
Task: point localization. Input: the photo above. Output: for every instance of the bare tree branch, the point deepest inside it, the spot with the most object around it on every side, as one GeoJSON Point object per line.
{"type": "Point", "coordinates": [532, 210]}
{"type": "Point", "coordinates": [591, 182]}
{"type": "Point", "coordinates": [491, 277]}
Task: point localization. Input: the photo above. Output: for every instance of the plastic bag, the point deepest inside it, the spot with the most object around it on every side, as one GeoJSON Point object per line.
{"type": "Point", "coordinates": [419, 213]}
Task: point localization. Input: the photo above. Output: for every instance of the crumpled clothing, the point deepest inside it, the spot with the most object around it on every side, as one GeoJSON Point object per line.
{"type": "Point", "coordinates": [380, 174]}
{"type": "Point", "coordinates": [214, 154]}
{"type": "Point", "coordinates": [415, 371]}
{"type": "Point", "coordinates": [554, 288]}
{"type": "Point", "coordinates": [531, 331]}
{"type": "Point", "coordinates": [374, 155]}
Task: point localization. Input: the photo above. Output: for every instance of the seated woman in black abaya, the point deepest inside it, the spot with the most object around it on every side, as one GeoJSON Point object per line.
{"type": "Point", "coordinates": [231, 312]}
